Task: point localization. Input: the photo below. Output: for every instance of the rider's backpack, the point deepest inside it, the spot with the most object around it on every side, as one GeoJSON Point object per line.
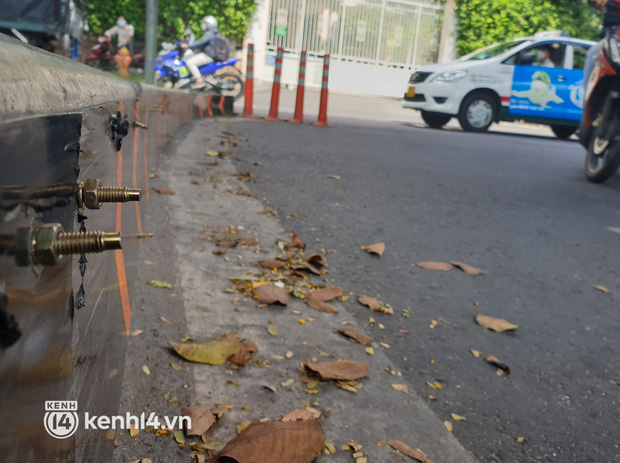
{"type": "Point", "coordinates": [221, 48]}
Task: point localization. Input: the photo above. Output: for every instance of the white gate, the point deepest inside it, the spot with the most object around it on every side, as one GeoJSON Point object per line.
{"type": "Point", "coordinates": [374, 44]}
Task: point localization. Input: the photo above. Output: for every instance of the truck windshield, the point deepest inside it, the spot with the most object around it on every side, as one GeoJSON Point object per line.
{"type": "Point", "coordinates": [492, 51]}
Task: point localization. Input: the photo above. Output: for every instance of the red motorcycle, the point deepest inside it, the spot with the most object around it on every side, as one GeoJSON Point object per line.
{"type": "Point", "coordinates": [101, 55]}
{"type": "Point", "coordinates": [602, 109]}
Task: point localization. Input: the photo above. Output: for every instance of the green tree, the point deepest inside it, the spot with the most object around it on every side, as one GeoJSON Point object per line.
{"type": "Point", "coordinates": [483, 22]}
{"type": "Point", "coordinates": [174, 16]}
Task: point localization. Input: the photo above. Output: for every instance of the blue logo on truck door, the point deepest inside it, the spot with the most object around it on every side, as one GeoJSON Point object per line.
{"type": "Point", "coordinates": [547, 92]}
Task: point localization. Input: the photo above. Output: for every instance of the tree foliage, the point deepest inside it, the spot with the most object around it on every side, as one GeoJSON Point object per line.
{"type": "Point", "coordinates": [174, 16]}
{"type": "Point", "coordinates": [483, 22]}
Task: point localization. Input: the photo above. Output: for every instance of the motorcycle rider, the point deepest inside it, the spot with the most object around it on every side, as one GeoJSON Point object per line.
{"type": "Point", "coordinates": [124, 33]}
{"type": "Point", "coordinates": [203, 48]}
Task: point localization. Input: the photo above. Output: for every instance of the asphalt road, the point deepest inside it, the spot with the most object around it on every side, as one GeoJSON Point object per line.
{"type": "Point", "coordinates": [514, 205]}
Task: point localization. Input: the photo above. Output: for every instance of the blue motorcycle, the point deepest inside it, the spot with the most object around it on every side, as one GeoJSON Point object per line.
{"type": "Point", "coordinates": [170, 70]}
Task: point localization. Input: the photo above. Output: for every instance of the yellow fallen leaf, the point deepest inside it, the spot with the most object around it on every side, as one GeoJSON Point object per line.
{"type": "Point", "coordinates": [312, 384]}
{"type": "Point", "coordinates": [166, 322]}
{"type": "Point", "coordinates": [146, 370]}
{"type": "Point", "coordinates": [159, 284]}
{"type": "Point", "coordinates": [475, 353]}
{"type": "Point", "coordinates": [110, 434]}
{"type": "Point", "coordinates": [212, 154]}
{"type": "Point", "coordinates": [496, 324]}
{"type": "Point", "coordinates": [136, 333]}
{"type": "Point", "coordinates": [385, 345]}
{"type": "Point", "coordinates": [312, 391]}
{"type": "Point", "coordinates": [435, 385]}
{"type": "Point", "coordinates": [272, 330]}
{"type": "Point", "coordinates": [302, 321]}
{"type": "Point", "coordinates": [329, 449]}
{"type": "Point", "coordinates": [601, 288]}
{"type": "Point", "coordinates": [361, 460]}
{"type": "Point", "coordinates": [176, 366]}
{"type": "Point", "coordinates": [456, 417]}
{"type": "Point", "coordinates": [401, 388]}
{"type": "Point", "coordinates": [245, 408]}
{"type": "Point", "coordinates": [521, 440]}
{"type": "Point", "coordinates": [243, 426]}
{"type": "Point", "coordinates": [448, 425]}
{"type": "Point", "coordinates": [371, 320]}
{"type": "Point", "coordinates": [213, 353]}
{"type": "Point", "coordinates": [370, 351]}
{"type": "Point", "coordinates": [289, 354]}
{"type": "Point", "coordinates": [287, 383]}
{"type": "Point", "coordinates": [226, 405]}
{"type": "Point", "coordinates": [133, 431]}
{"type": "Point", "coordinates": [277, 357]}
{"type": "Point", "coordinates": [179, 437]}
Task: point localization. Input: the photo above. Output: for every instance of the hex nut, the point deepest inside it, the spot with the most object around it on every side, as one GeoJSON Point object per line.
{"type": "Point", "coordinates": [45, 244]}
{"type": "Point", "coordinates": [90, 192]}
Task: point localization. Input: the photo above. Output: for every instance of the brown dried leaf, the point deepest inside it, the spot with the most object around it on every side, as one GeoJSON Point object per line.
{"type": "Point", "coordinates": [163, 191]}
{"type": "Point", "coordinates": [601, 288]}
{"type": "Point", "coordinates": [246, 350]}
{"type": "Point", "coordinates": [496, 324]}
{"type": "Point", "coordinates": [203, 417]}
{"type": "Point", "coordinates": [292, 442]}
{"type": "Point", "coordinates": [410, 452]}
{"type": "Point", "coordinates": [271, 264]}
{"type": "Point", "coordinates": [270, 294]}
{"type": "Point", "coordinates": [227, 244]}
{"type": "Point", "coordinates": [495, 361]}
{"type": "Point", "coordinates": [214, 352]}
{"type": "Point", "coordinates": [219, 252]}
{"type": "Point", "coordinates": [468, 269]}
{"type": "Point", "coordinates": [339, 371]}
{"type": "Point", "coordinates": [441, 266]}
{"type": "Point", "coordinates": [248, 242]}
{"type": "Point", "coordinates": [378, 248]}
{"type": "Point", "coordinates": [297, 415]}
{"type": "Point", "coordinates": [317, 298]}
{"type": "Point", "coordinates": [375, 304]}
{"type": "Point", "coordinates": [354, 334]}
{"type": "Point", "coordinates": [303, 266]}
{"type": "Point", "coordinates": [335, 177]}
{"type": "Point", "coordinates": [316, 260]}
{"type": "Point", "coordinates": [296, 243]}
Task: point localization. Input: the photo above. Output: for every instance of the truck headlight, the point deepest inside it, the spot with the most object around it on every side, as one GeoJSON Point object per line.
{"type": "Point", "coordinates": [448, 77]}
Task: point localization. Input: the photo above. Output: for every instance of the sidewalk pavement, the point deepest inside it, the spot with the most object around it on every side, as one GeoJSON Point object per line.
{"type": "Point", "coordinates": [207, 198]}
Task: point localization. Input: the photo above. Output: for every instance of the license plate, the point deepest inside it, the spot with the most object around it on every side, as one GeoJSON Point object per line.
{"type": "Point", "coordinates": [411, 92]}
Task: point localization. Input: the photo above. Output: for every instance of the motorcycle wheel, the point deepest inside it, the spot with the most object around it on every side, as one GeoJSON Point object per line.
{"type": "Point", "coordinates": [230, 84]}
{"type": "Point", "coordinates": [603, 158]}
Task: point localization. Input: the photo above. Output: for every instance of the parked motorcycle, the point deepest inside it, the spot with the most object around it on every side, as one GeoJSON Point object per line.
{"type": "Point", "coordinates": [101, 55]}
{"type": "Point", "coordinates": [171, 70]}
{"type": "Point", "coordinates": [602, 109]}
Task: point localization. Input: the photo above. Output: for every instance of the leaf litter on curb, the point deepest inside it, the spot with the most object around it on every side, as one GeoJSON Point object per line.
{"type": "Point", "coordinates": [339, 371]}
{"type": "Point", "coordinates": [203, 418]}
{"type": "Point", "coordinates": [375, 304]}
{"type": "Point", "coordinates": [377, 248]}
{"type": "Point", "coordinates": [270, 294]}
{"type": "Point", "coordinates": [296, 243]}
{"type": "Point", "coordinates": [403, 448]}
{"type": "Point", "coordinates": [352, 333]}
{"type": "Point", "coordinates": [468, 269]}
{"type": "Point", "coordinates": [292, 442]}
{"type": "Point", "coordinates": [215, 352]}
{"type": "Point", "coordinates": [317, 299]}
{"type": "Point", "coordinates": [241, 358]}
{"type": "Point", "coordinates": [297, 415]}
{"type": "Point", "coordinates": [496, 324]}
{"type": "Point", "coordinates": [440, 266]}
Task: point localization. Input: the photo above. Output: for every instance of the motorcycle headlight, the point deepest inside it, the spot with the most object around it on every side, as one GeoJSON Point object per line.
{"type": "Point", "coordinates": [448, 77]}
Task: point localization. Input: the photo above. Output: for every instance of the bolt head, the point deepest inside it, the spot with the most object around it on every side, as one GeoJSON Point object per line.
{"type": "Point", "coordinates": [45, 244]}
{"type": "Point", "coordinates": [91, 192]}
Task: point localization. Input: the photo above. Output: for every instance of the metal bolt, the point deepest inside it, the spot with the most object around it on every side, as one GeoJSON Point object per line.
{"type": "Point", "coordinates": [44, 244]}
{"type": "Point", "coordinates": [92, 194]}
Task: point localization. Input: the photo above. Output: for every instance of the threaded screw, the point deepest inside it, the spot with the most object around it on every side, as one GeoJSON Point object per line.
{"type": "Point", "coordinates": [88, 242]}
{"type": "Point", "coordinates": [113, 194]}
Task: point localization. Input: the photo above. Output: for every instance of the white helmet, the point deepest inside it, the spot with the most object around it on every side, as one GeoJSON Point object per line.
{"type": "Point", "coordinates": [209, 23]}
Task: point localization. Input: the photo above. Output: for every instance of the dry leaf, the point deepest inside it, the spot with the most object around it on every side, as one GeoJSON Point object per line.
{"type": "Point", "coordinates": [601, 288]}
{"type": "Point", "coordinates": [146, 370]}
{"type": "Point", "coordinates": [133, 430]}
{"type": "Point", "coordinates": [227, 244]}
{"type": "Point", "coordinates": [441, 266]}
{"type": "Point", "coordinates": [401, 388]}
{"type": "Point", "coordinates": [435, 385]}
{"type": "Point", "coordinates": [495, 361]}
{"type": "Point", "coordinates": [456, 417]}
{"type": "Point", "coordinates": [272, 330]}
{"type": "Point", "coordinates": [270, 294]}
{"type": "Point", "coordinates": [297, 415]}
{"type": "Point", "coordinates": [203, 417]}
{"type": "Point", "coordinates": [468, 269]}
{"type": "Point", "coordinates": [166, 322]}
{"type": "Point", "coordinates": [329, 449]}
{"type": "Point", "coordinates": [496, 324]}
{"type": "Point", "coordinates": [271, 264]}
{"type": "Point", "coordinates": [370, 351]}
{"type": "Point", "coordinates": [521, 440]}
{"type": "Point", "coordinates": [410, 452]}
{"type": "Point", "coordinates": [375, 305]}
{"type": "Point", "coordinates": [448, 425]}
{"type": "Point", "coordinates": [378, 248]}
{"type": "Point", "coordinates": [289, 354]}
{"type": "Point", "coordinates": [354, 334]}
{"type": "Point", "coordinates": [316, 259]}
{"type": "Point", "coordinates": [179, 437]}
{"type": "Point", "coordinates": [163, 191]}
{"type": "Point", "coordinates": [214, 352]}
{"type": "Point", "coordinates": [287, 383]}
{"type": "Point", "coordinates": [136, 333]}
{"type": "Point", "coordinates": [475, 353]}
{"type": "Point", "coordinates": [292, 442]}
{"type": "Point", "coordinates": [335, 177]}
{"type": "Point", "coordinates": [176, 366]}
{"type": "Point", "coordinates": [248, 242]}
{"type": "Point", "coordinates": [246, 350]}
{"type": "Point", "coordinates": [316, 299]}
{"type": "Point", "coordinates": [296, 243]}
{"type": "Point", "coordinates": [159, 284]}
{"type": "Point", "coordinates": [243, 426]}
{"type": "Point", "coordinates": [339, 371]}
